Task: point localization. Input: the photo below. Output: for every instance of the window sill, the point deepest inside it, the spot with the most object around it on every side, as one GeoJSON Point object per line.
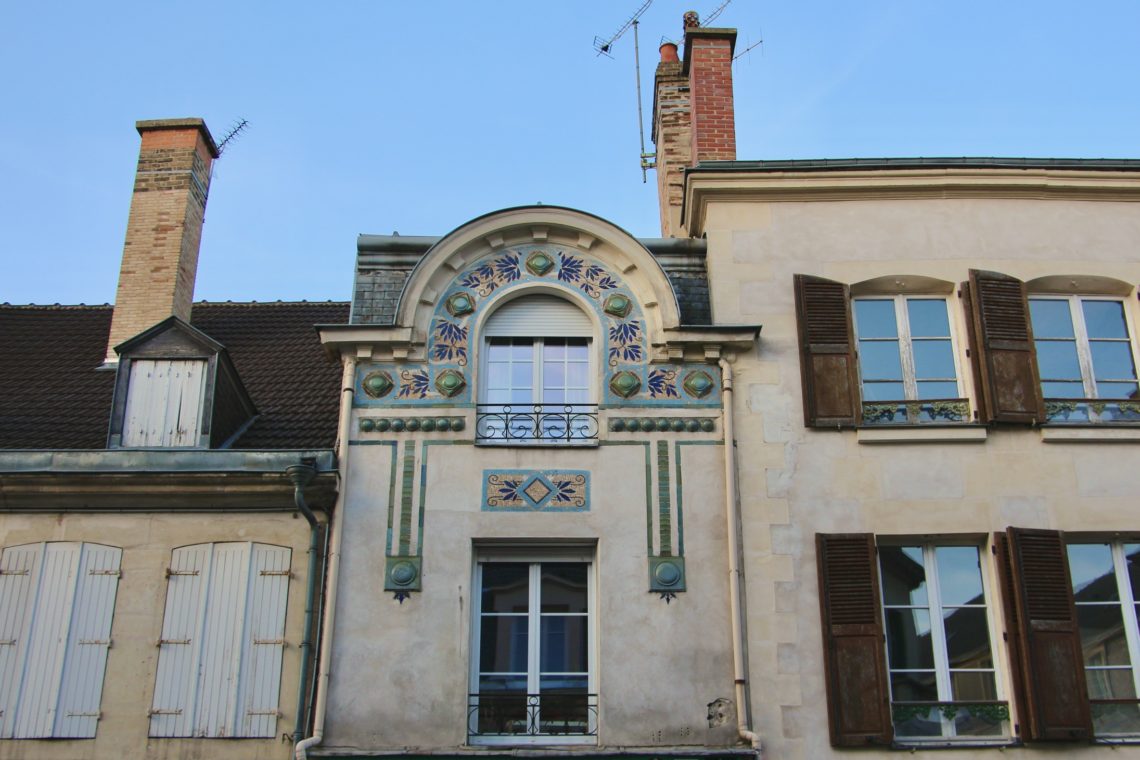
{"type": "Point", "coordinates": [911, 745]}
{"type": "Point", "coordinates": [1090, 434]}
{"type": "Point", "coordinates": [917, 434]}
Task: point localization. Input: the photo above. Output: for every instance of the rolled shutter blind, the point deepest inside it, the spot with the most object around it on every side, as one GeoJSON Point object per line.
{"type": "Point", "coordinates": [539, 316]}
{"type": "Point", "coordinates": [858, 703]}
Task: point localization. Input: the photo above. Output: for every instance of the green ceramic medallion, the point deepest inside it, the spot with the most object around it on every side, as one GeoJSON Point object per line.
{"type": "Point", "coordinates": [625, 384]}
{"type": "Point", "coordinates": [450, 382]}
{"type": "Point", "coordinates": [698, 384]}
{"type": "Point", "coordinates": [617, 305]}
{"type": "Point", "coordinates": [378, 384]}
{"type": "Point", "coordinates": [539, 263]}
{"type": "Point", "coordinates": [460, 304]}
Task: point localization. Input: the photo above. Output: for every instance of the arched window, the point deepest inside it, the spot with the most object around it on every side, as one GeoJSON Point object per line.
{"type": "Point", "coordinates": [536, 383]}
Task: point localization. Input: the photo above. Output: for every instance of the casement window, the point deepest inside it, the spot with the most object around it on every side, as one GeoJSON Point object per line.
{"type": "Point", "coordinates": [56, 604]}
{"type": "Point", "coordinates": [1086, 359]}
{"type": "Point", "coordinates": [907, 364]}
{"type": "Point", "coordinates": [532, 670]}
{"type": "Point", "coordinates": [536, 380]}
{"type": "Point", "coordinates": [875, 357]}
{"type": "Point", "coordinates": [1106, 588]}
{"type": "Point", "coordinates": [940, 659]}
{"type": "Point", "coordinates": [223, 632]}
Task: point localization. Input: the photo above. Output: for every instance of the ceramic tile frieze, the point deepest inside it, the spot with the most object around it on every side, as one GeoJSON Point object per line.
{"type": "Point", "coordinates": [626, 377]}
{"type": "Point", "coordinates": [536, 491]}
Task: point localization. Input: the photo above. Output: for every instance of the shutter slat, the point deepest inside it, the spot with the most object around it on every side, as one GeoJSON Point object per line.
{"type": "Point", "coordinates": [1004, 354]}
{"type": "Point", "coordinates": [853, 643]}
{"type": "Point", "coordinates": [827, 353]}
{"type": "Point", "coordinates": [1049, 644]}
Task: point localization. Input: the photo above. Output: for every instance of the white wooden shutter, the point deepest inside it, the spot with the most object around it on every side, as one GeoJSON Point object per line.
{"type": "Point", "coordinates": [88, 642]}
{"type": "Point", "coordinates": [164, 402]}
{"type": "Point", "coordinates": [264, 640]}
{"type": "Point", "coordinates": [219, 673]}
{"type": "Point", "coordinates": [539, 316]}
{"type": "Point", "coordinates": [176, 684]}
{"type": "Point", "coordinates": [57, 601]}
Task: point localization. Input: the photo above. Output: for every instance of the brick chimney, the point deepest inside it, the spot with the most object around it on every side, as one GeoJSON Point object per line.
{"type": "Point", "coordinates": [693, 117]}
{"type": "Point", "coordinates": [164, 229]}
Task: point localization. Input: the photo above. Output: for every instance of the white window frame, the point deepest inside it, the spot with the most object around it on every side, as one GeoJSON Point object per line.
{"type": "Point", "coordinates": [906, 342]}
{"type": "Point", "coordinates": [1127, 602]}
{"type": "Point", "coordinates": [1081, 337]}
{"type": "Point", "coordinates": [537, 386]}
{"type": "Point", "coordinates": [535, 558]}
{"type": "Point", "coordinates": [934, 607]}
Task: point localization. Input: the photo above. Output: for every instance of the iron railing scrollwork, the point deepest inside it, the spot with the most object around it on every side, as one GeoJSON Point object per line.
{"type": "Point", "coordinates": [532, 714]}
{"type": "Point", "coordinates": [556, 424]}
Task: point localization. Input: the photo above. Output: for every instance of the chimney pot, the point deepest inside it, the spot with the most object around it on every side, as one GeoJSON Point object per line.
{"type": "Point", "coordinates": [669, 52]}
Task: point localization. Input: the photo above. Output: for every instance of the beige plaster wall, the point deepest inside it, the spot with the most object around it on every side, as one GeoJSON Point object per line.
{"type": "Point", "coordinates": [796, 482]}
{"type": "Point", "coordinates": [128, 685]}
{"type": "Point", "coordinates": [401, 671]}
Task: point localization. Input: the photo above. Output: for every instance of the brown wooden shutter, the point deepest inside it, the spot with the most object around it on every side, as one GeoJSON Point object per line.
{"type": "Point", "coordinates": [858, 700]}
{"type": "Point", "coordinates": [979, 400]}
{"type": "Point", "coordinates": [1056, 705]}
{"type": "Point", "coordinates": [827, 353]}
{"type": "Point", "coordinates": [1006, 359]}
{"type": "Point", "coordinates": [1013, 633]}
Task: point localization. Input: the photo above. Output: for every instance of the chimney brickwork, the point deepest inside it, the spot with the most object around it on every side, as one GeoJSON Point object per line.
{"type": "Point", "coordinates": [693, 118]}
{"type": "Point", "coordinates": [708, 60]}
{"type": "Point", "coordinates": [672, 134]}
{"type": "Point", "coordinates": [164, 230]}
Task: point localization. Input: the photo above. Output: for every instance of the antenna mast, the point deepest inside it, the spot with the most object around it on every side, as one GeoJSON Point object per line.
{"type": "Point", "coordinates": [648, 160]}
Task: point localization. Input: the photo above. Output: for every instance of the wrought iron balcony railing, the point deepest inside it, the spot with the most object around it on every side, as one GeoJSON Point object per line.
{"type": "Point", "coordinates": [532, 715]}
{"type": "Point", "coordinates": [537, 424]}
{"type": "Point", "coordinates": [1091, 410]}
{"type": "Point", "coordinates": [930, 411]}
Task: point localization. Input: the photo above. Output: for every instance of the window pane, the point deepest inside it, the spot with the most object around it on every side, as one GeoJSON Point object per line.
{"type": "Point", "coordinates": [1057, 360]}
{"type": "Point", "coordinates": [563, 705]}
{"type": "Point", "coordinates": [1051, 318]}
{"type": "Point", "coordinates": [1117, 390]}
{"type": "Point", "coordinates": [972, 687]}
{"type": "Point", "coordinates": [502, 705]}
{"type": "Point", "coordinates": [521, 375]}
{"type": "Point", "coordinates": [505, 587]}
{"type": "Point", "coordinates": [503, 644]}
{"type": "Point", "coordinates": [966, 723]}
{"type": "Point", "coordinates": [1102, 634]}
{"type": "Point", "coordinates": [1104, 319]}
{"type": "Point", "coordinates": [1090, 568]}
{"type": "Point", "coordinates": [1112, 361]}
{"type": "Point", "coordinates": [959, 575]}
{"type": "Point", "coordinates": [879, 360]}
{"type": "Point", "coordinates": [904, 578]}
{"type": "Point", "coordinates": [578, 375]}
{"type": "Point", "coordinates": [883, 391]}
{"type": "Point", "coordinates": [522, 349]}
{"type": "Point", "coordinates": [875, 319]}
{"type": "Point", "coordinates": [564, 644]}
{"type": "Point", "coordinates": [498, 373]}
{"type": "Point", "coordinates": [577, 349]}
{"type": "Point", "coordinates": [554, 349]}
{"type": "Point", "coordinates": [563, 587]}
{"type": "Point", "coordinates": [914, 687]}
{"type": "Point", "coordinates": [1132, 563]}
{"type": "Point", "coordinates": [908, 639]}
{"type": "Point", "coordinates": [1110, 683]}
{"type": "Point", "coordinates": [934, 359]}
{"type": "Point", "coordinates": [554, 375]}
{"type": "Point", "coordinates": [499, 349]}
{"type": "Point", "coordinates": [928, 318]}
{"type": "Point", "coordinates": [1063, 390]}
{"type": "Point", "coordinates": [967, 638]}
{"type": "Point", "coordinates": [929, 390]}
{"type": "Point", "coordinates": [1115, 719]}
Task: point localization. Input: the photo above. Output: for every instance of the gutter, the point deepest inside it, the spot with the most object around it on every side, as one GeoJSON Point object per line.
{"type": "Point", "coordinates": [732, 516]}
{"type": "Point", "coordinates": [328, 621]}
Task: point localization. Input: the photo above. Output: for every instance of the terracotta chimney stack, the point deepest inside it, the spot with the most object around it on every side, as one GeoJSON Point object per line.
{"type": "Point", "coordinates": [164, 229]}
{"type": "Point", "coordinates": [693, 117]}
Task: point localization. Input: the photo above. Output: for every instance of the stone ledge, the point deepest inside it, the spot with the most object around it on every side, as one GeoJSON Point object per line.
{"type": "Point", "coordinates": [1059, 434]}
{"type": "Point", "coordinates": [900, 434]}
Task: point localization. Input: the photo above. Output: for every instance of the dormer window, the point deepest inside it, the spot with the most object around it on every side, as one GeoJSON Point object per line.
{"type": "Point", "coordinates": [177, 388]}
{"type": "Point", "coordinates": [536, 383]}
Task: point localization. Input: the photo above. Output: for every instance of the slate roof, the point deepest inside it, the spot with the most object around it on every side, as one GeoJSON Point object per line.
{"type": "Point", "coordinates": [53, 397]}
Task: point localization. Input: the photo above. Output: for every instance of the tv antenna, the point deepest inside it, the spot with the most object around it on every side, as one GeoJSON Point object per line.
{"type": "Point", "coordinates": [235, 129]}
{"type": "Point", "coordinates": [712, 16]}
{"type": "Point", "coordinates": [604, 47]}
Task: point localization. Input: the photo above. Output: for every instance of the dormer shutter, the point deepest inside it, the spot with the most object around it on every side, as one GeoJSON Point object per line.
{"type": "Point", "coordinates": [1005, 357]}
{"type": "Point", "coordinates": [539, 316]}
{"type": "Point", "coordinates": [827, 353]}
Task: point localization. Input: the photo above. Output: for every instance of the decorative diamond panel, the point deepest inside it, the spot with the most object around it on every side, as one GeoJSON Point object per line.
{"type": "Point", "coordinates": [536, 491]}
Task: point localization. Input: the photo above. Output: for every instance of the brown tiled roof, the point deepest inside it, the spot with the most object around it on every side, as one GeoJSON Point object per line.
{"type": "Point", "coordinates": [52, 396]}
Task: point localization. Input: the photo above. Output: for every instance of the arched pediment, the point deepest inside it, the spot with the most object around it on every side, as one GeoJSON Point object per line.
{"type": "Point", "coordinates": [575, 251]}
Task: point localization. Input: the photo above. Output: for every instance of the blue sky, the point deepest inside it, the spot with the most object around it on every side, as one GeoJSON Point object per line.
{"type": "Point", "coordinates": [415, 117]}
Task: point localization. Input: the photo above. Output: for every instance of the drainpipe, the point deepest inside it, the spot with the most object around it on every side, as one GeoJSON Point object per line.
{"type": "Point", "coordinates": [301, 475]}
{"type": "Point", "coordinates": [301, 751]}
{"type": "Point", "coordinates": [732, 515]}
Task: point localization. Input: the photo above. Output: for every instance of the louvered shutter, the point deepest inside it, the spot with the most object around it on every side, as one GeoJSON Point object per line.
{"type": "Point", "coordinates": [1056, 706]}
{"type": "Point", "coordinates": [88, 641]}
{"type": "Point", "coordinates": [263, 640]}
{"type": "Point", "coordinates": [179, 647]}
{"type": "Point", "coordinates": [19, 581]}
{"type": "Point", "coordinates": [827, 353]}
{"type": "Point", "coordinates": [1006, 360]}
{"type": "Point", "coordinates": [1013, 632]}
{"type": "Point", "coordinates": [539, 316]}
{"type": "Point", "coordinates": [858, 699]}
{"type": "Point", "coordinates": [983, 414]}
